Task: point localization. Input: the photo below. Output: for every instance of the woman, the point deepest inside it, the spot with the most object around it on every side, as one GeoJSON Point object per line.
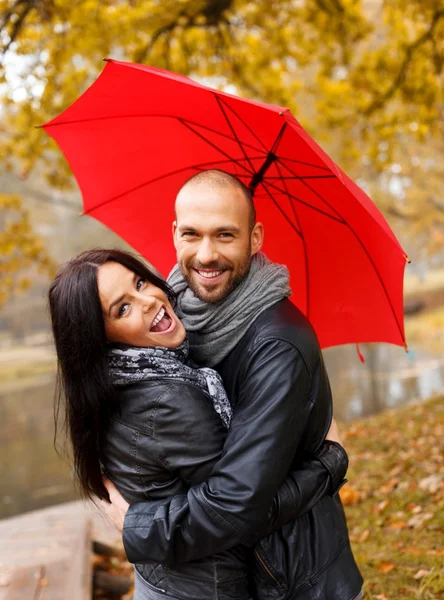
{"type": "Point", "coordinates": [136, 407]}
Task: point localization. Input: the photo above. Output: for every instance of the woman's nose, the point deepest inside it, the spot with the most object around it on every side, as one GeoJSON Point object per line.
{"type": "Point", "coordinates": [148, 302]}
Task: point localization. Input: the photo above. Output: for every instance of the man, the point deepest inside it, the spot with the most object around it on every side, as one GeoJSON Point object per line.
{"type": "Point", "coordinates": [232, 301]}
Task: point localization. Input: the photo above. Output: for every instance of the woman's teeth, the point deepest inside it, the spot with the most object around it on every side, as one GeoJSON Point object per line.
{"type": "Point", "coordinates": [158, 318]}
{"type": "Point", "coordinates": [209, 274]}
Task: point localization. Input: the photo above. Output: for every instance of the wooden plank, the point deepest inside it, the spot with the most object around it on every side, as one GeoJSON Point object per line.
{"type": "Point", "coordinates": [46, 563]}
{"type": "Point", "coordinates": [80, 574]}
{"type": "Point", "coordinates": [46, 535]}
{"type": "Point", "coordinates": [23, 585]}
{"type": "Point", "coordinates": [47, 582]}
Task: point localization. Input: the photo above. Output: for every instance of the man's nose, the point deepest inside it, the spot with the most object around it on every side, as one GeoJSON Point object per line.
{"type": "Point", "coordinates": [206, 252]}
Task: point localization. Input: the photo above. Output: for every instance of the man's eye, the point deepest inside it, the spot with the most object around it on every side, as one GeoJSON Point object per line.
{"type": "Point", "coordinates": [123, 308]}
{"type": "Point", "coordinates": [189, 234]}
{"type": "Point", "coordinates": [226, 235]}
{"type": "Point", "coordinates": [139, 284]}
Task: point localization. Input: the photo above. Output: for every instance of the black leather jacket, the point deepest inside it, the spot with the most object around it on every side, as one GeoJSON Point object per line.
{"type": "Point", "coordinates": [193, 543]}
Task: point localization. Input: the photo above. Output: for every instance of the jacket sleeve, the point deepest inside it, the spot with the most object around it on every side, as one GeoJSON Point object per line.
{"type": "Point", "coordinates": [188, 433]}
{"type": "Point", "coordinates": [323, 474]}
{"type": "Point", "coordinates": [233, 506]}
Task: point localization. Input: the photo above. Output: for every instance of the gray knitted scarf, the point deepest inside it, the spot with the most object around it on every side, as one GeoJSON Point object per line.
{"type": "Point", "coordinates": [129, 364]}
{"type": "Point", "coordinates": [214, 329]}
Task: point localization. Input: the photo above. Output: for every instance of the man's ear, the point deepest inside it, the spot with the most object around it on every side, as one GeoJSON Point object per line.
{"type": "Point", "coordinates": [174, 233]}
{"type": "Point", "coordinates": [257, 238]}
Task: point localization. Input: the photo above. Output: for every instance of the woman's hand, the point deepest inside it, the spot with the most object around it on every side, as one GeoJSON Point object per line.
{"type": "Point", "coordinates": [333, 433]}
{"type": "Point", "coordinates": [118, 507]}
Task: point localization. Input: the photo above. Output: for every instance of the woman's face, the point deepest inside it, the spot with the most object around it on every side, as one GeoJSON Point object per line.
{"type": "Point", "coordinates": [136, 312]}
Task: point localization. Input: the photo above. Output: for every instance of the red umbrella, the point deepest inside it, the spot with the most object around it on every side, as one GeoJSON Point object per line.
{"type": "Point", "coordinates": [138, 133]}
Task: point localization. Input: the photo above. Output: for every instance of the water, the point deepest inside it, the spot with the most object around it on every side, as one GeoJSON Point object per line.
{"type": "Point", "coordinates": [33, 476]}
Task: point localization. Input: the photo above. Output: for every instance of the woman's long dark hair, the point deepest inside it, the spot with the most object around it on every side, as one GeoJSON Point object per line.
{"type": "Point", "coordinates": [83, 385]}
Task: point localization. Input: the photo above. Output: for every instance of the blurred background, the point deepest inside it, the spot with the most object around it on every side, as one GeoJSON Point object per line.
{"type": "Point", "coordinates": [364, 77]}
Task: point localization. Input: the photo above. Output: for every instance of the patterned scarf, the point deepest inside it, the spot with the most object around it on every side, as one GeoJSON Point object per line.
{"type": "Point", "coordinates": [128, 364]}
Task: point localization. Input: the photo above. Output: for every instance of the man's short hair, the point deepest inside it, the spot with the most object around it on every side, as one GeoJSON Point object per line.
{"type": "Point", "coordinates": [219, 178]}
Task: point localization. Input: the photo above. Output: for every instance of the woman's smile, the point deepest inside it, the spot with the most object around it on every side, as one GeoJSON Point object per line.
{"type": "Point", "coordinates": [163, 322]}
{"type": "Point", "coordinates": [135, 311]}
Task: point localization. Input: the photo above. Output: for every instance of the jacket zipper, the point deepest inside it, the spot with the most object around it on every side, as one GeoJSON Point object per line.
{"type": "Point", "coordinates": [264, 566]}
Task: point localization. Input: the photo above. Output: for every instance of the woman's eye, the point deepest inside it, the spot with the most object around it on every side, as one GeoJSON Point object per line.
{"type": "Point", "coordinates": [122, 310]}
{"type": "Point", "coordinates": [139, 284]}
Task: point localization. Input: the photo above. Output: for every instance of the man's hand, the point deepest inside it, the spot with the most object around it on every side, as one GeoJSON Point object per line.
{"type": "Point", "coordinates": [117, 509]}
{"type": "Point", "coordinates": [333, 433]}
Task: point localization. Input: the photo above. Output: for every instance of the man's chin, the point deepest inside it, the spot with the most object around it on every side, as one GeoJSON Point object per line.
{"type": "Point", "coordinates": [208, 293]}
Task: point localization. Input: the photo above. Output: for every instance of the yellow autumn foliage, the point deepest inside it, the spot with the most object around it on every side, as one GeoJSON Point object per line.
{"type": "Point", "coordinates": [22, 253]}
{"type": "Point", "coordinates": [365, 77]}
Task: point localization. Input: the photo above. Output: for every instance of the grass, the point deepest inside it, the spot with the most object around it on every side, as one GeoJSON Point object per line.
{"type": "Point", "coordinates": [395, 501]}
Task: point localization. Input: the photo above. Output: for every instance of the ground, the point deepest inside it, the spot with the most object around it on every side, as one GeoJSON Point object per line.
{"type": "Point", "coordinates": [395, 501]}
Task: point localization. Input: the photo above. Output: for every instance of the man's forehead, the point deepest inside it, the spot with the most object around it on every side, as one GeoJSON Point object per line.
{"type": "Point", "coordinates": [204, 200]}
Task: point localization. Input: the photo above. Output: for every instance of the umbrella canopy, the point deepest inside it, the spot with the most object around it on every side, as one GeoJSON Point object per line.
{"type": "Point", "coordinates": [138, 133]}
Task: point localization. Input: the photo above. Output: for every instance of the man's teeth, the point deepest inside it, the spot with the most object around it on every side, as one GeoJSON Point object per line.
{"type": "Point", "coordinates": [209, 274]}
{"type": "Point", "coordinates": [159, 317]}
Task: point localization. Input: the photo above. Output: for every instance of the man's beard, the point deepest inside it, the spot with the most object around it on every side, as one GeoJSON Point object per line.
{"type": "Point", "coordinates": [205, 293]}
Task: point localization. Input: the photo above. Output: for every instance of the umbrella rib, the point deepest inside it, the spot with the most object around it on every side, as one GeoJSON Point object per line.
{"type": "Point", "coordinates": [315, 192]}
{"type": "Point", "coordinates": [222, 134]}
{"type": "Point", "coordinates": [219, 103]}
{"type": "Point", "coordinates": [278, 139]}
{"type": "Point", "coordinates": [269, 160]}
{"type": "Point", "coordinates": [186, 124]}
{"type": "Point", "coordinates": [197, 167]}
{"type": "Point", "coordinates": [222, 101]}
{"type": "Point", "coordinates": [301, 162]}
{"type": "Point", "coordinates": [360, 242]}
{"type": "Point", "coordinates": [315, 208]}
{"type": "Point", "coordinates": [292, 225]}
{"type": "Point", "coordinates": [154, 116]}
{"type": "Point", "coordinates": [292, 177]}
{"type": "Point", "coordinates": [304, 245]}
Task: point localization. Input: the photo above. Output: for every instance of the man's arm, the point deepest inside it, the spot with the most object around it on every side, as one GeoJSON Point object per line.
{"type": "Point", "coordinates": [233, 506]}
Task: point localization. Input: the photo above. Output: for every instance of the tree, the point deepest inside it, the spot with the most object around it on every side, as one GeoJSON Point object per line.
{"type": "Point", "coordinates": [363, 76]}
{"type": "Point", "coordinates": [21, 251]}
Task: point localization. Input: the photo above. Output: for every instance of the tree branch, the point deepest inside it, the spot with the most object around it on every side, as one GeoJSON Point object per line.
{"type": "Point", "coordinates": [337, 6]}
{"type": "Point", "coordinates": [397, 82]}
{"type": "Point", "coordinates": [213, 12]}
{"type": "Point", "coordinates": [17, 26]}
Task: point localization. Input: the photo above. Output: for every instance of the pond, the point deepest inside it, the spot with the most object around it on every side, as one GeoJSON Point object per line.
{"type": "Point", "coordinates": [32, 475]}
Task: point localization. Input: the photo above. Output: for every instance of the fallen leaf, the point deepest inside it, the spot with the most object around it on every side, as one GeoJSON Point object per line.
{"type": "Point", "coordinates": [432, 483]}
{"type": "Point", "coordinates": [349, 495]}
{"type": "Point", "coordinates": [398, 525]}
{"type": "Point", "coordinates": [389, 485]}
{"type": "Point", "coordinates": [385, 566]}
{"type": "Point", "coordinates": [435, 552]}
{"type": "Point", "coordinates": [418, 520]}
{"type": "Point", "coordinates": [421, 573]}
{"type": "Point", "coordinates": [411, 550]}
{"type": "Point", "coordinates": [364, 535]}
{"type": "Point", "coordinates": [396, 470]}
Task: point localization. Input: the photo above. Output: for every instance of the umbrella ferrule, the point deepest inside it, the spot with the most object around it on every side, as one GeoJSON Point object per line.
{"type": "Point", "coordinates": [258, 177]}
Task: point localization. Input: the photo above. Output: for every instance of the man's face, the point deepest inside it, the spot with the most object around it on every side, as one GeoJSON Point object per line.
{"type": "Point", "coordinates": [213, 240]}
